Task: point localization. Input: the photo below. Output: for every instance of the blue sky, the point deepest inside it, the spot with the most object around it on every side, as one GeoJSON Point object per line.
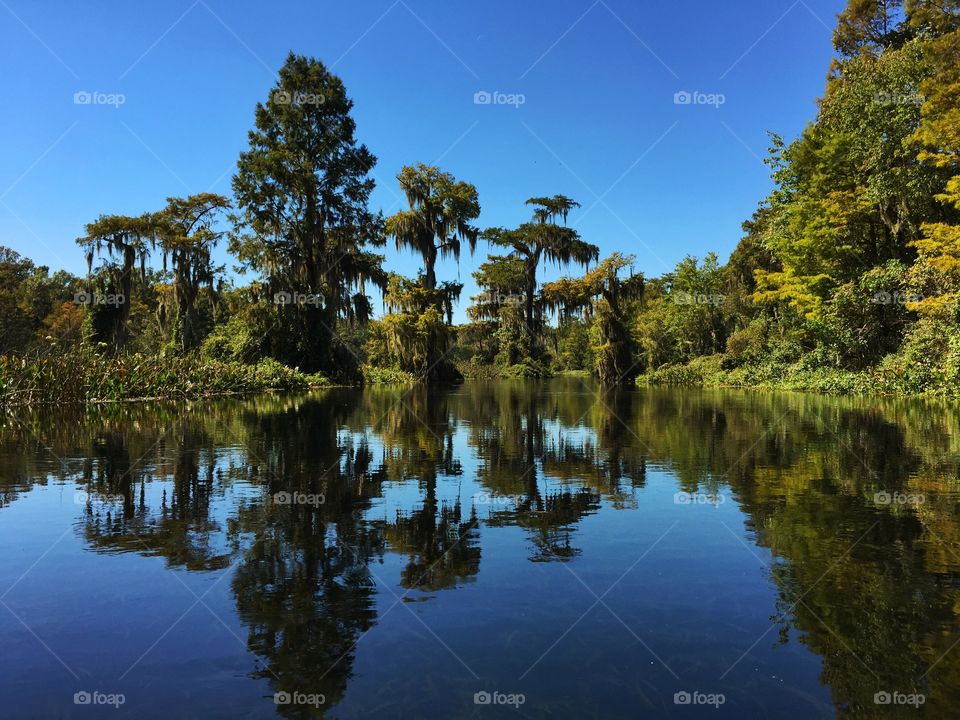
{"type": "Point", "coordinates": [598, 122]}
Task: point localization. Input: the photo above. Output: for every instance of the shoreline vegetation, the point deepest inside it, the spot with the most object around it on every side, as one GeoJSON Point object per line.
{"type": "Point", "coordinates": [845, 281]}
{"type": "Point", "coordinates": [141, 379]}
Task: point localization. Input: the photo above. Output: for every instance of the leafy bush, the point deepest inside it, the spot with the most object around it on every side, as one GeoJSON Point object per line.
{"type": "Point", "coordinates": [373, 375]}
{"type": "Point", "coordinates": [238, 339]}
{"type": "Point", "coordinates": [927, 362]}
{"type": "Point", "coordinates": [746, 345]}
{"type": "Point", "coordinates": [527, 369]}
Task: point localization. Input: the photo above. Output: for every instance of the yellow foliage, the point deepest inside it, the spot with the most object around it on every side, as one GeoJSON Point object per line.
{"type": "Point", "coordinates": [785, 287]}
{"type": "Point", "coordinates": [932, 306]}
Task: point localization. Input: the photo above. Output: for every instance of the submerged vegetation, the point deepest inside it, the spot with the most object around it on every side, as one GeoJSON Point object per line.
{"type": "Point", "coordinates": [846, 279]}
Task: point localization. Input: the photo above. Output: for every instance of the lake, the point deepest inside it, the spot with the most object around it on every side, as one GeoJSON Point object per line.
{"type": "Point", "coordinates": [497, 549]}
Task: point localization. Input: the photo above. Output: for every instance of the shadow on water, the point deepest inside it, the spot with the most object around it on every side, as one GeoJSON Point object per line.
{"type": "Point", "coordinates": [310, 503]}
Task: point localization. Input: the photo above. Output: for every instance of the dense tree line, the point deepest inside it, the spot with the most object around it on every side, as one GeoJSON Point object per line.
{"type": "Point", "coordinates": [846, 277]}
{"type": "Point", "coordinates": [847, 274]}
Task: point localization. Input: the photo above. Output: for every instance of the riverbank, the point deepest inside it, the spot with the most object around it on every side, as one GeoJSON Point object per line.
{"type": "Point", "coordinates": [82, 375]}
{"type": "Point", "coordinates": [85, 376]}
{"type": "Point", "coordinates": [928, 365]}
{"type": "Point", "coordinates": [900, 375]}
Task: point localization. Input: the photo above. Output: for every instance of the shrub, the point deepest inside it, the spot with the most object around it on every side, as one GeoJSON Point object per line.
{"type": "Point", "coordinates": [746, 345]}
{"type": "Point", "coordinates": [386, 376]}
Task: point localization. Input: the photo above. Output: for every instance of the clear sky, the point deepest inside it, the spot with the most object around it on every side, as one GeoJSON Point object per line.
{"type": "Point", "coordinates": [598, 120]}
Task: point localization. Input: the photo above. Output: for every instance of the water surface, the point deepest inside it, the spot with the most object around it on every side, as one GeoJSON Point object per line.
{"type": "Point", "coordinates": [414, 552]}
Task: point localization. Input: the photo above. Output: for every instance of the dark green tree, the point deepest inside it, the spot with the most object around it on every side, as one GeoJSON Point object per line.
{"type": "Point", "coordinates": [435, 225]}
{"type": "Point", "coordinates": [603, 296]}
{"type": "Point", "coordinates": [302, 189]}
{"type": "Point", "coordinates": [543, 239]}
{"type": "Point", "coordinates": [438, 221]}
{"type": "Point", "coordinates": [126, 241]}
{"type": "Point", "coordinates": [187, 237]}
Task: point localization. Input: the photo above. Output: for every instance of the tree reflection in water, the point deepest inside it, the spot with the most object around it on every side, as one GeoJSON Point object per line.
{"type": "Point", "coordinates": [197, 485]}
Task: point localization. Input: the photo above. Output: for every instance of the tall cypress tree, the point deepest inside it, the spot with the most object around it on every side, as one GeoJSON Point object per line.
{"type": "Point", "coordinates": [302, 189]}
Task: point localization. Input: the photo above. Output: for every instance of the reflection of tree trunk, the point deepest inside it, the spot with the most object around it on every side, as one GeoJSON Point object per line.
{"type": "Point", "coordinates": [534, 498]}
{"type": "Point", "coordinates": [430, 479]}
{"type": "Point", "coordinates": [428, 520]}
{"type": "Point", "coordinates": [190, 499]}
{"type": "Point", "coordinates": [114, 476]}
{"type": "Point", "coordinates": [533, 491]}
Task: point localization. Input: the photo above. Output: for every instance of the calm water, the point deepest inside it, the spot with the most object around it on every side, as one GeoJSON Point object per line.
{"type": "Point", "coordinates": [394, 552]}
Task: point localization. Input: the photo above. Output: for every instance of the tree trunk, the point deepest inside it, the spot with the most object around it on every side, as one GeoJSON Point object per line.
{"type": "Point", "coordinates": [430, 262]}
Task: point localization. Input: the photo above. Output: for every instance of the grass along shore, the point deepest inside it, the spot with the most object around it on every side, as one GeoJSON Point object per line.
{"type": "Point", "coordinates": [82, 375]}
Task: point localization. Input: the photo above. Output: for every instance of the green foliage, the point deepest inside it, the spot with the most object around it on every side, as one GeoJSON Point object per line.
{"type": "Point", "coordinates": [515, 275]}
{"type": "Point", "coordinates": [235, 340]}
{"type": "Point", "coordinates": [938, 137]}
{"type": "Point", "coordinates": [864, 320]}
{"type": "Point", "coordinates": [438, 221]}
{"type": "Point", "coordinates": [573, 346]}
{"type": "Point", "coordinates": [846, 279]}
{"type": "Point", "coordinates": [603, 296]}
{"type": "Point", "coordinates": [696, 293]}
{"type": "Point", "coordinates": [527, 368]}
{"type": "Point", "coordinates": [374, 375]}
{"type": "Point", "coordinates": [33, 304]}
{"type": "Point", "coordinates": [123, 242]}
{"type": "Point", "coordinates": [851, 192]}
{"type": "Point", "coordinates": [302, 189]}
{"type": "Point", "coordinates": [474, 368]}
{"type": "Point", "coordinates": [929, 360]}
{"type": "Point", "coordinates": [187, 238]}
{"type": "Point", "coordinates": [747, 345]}
{"type": "Point", "coordinates": [416, 328]}
{"type": "Point", "coordinates": [868, 27]}
{"type": "Point", "coordinates": [84, 375]}
{"type": "Point", "coordinates": [697, 372]}
{"type": "Point", "coordinates": [852, 263]}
